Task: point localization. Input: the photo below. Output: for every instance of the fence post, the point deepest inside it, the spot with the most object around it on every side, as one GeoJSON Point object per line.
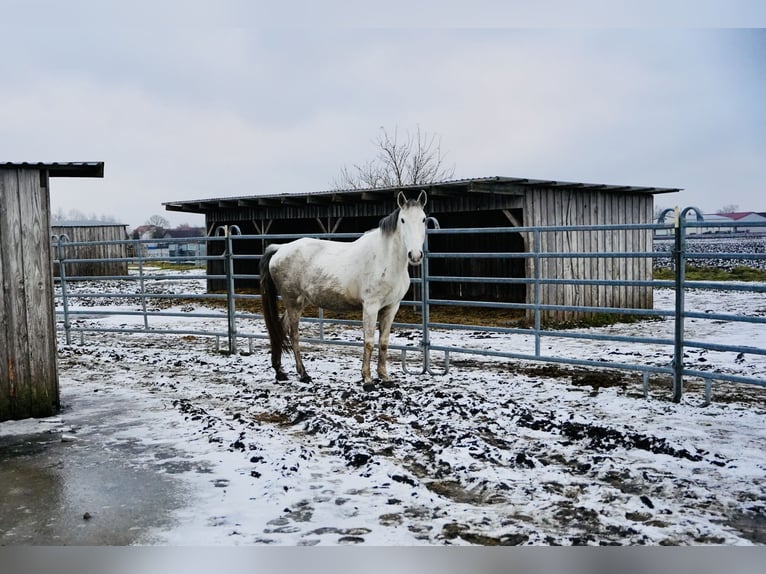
{"type": "Point", "coordinates": [231, 307]}
{"type": "Point", "coordinates": [679, 261]}
{"type": "Point", "coordinates": [425, 340]}
{"type": "Point", "coordinates": [141, 282]}
{"type": "Point", "coordinates": [536, 273]}
{"type": "Point", "coordinates": [62, 277]}
{"type": "Point", "coordinates": [679, 257]}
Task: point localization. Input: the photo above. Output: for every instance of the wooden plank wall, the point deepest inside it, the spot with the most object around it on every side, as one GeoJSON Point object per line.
{"type": "Point", "coordinates": [28, 371]}
{"type": "Point", "coordinates": [93, 233]}
{"type": "Point", "coordinates": [558, 207]}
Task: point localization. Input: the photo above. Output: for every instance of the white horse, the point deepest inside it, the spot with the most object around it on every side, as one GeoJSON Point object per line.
{"type": "Point", "coordinates": [368, 274]}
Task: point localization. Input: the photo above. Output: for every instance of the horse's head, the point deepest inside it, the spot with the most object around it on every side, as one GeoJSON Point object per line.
{"type": "Point", "coordinates": [412, 225]}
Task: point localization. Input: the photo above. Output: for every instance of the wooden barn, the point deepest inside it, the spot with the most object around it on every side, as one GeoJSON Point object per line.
{"type": "Point", "coordinates": [90, 231]}
{"type": "Point", "coordinates": [482, 202]}
{"type": "Point", "coordinates": [28, 372]}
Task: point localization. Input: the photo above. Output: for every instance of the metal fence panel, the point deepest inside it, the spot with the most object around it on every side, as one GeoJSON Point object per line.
{"type": "Point", "coordinates": [225, 317]}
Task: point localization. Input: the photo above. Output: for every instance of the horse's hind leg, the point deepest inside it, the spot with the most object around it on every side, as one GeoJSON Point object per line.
{"type": "Point", "coordinates": [293, 318]}
{"type": "Point", "coordinates": [276, 358]}
{"type": "Point", "coordinates": [276, 362]}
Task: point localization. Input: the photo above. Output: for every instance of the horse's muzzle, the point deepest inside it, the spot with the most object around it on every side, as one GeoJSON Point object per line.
{"type": "Point", "coordinates": [415, 257]}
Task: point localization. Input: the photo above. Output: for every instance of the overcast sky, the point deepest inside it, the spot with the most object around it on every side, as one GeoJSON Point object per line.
{"type": "Point", "coordinates": [214, 103]}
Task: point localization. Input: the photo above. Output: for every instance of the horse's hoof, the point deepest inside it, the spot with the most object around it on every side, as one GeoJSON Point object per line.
{"type": "Point", "coordinates": [305, 378]}
{"type": "Point", "coordinates": [387, 384]}
{"type": "Point", "coordinates": [367, 387]}
{"type": "Point", "coordinates": [281, 376]}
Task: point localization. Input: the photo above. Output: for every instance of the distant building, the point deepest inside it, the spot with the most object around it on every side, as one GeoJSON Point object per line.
{"type": "Point", "coordinates": [742, 218]}
{"type": "Point", "coordinates": [181, 242]}
{"type": "Point", "coordinates": [106, 241]}
{"type": "Point", "coordinates": [149, 232]}
{"type": "Point", "coordinates": [162, 242]}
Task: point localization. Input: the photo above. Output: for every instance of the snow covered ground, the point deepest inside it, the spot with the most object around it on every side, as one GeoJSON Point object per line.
{"type": "Point", "coordinates": [494, 452]}
{"type": "Point", "coordinates": [724, 243]}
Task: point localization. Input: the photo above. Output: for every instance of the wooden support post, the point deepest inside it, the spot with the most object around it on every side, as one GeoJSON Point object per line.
{"type": "Point", "coordinates": [29, 385]}
{"type": "Point", "coordinates": [28, 372]}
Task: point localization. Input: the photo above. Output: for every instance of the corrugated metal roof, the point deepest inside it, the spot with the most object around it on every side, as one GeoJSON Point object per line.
{"type": "Point", "coordinates": [490, 185]}
{"type": "Point", "coordinates": [61, 169]}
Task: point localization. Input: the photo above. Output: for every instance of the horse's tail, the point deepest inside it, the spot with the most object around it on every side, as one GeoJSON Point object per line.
{"type": "Point", "coordinates": [269, 301]}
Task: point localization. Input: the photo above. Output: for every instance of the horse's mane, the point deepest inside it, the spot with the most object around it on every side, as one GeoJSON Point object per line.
{"type": "Point", "coordinates": [388, 224]}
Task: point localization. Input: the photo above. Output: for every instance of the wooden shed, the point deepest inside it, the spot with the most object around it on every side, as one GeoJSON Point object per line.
{"type": "Point", "coordinates": [100, 235]}
{"type": "Point", "coordinates": [482, 202]}
{"type": "Point", "coordinates": [28, 373]}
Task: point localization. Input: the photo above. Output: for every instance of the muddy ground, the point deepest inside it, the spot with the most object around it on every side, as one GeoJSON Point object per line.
{"type": "Point", "coordinates": [491, 454]}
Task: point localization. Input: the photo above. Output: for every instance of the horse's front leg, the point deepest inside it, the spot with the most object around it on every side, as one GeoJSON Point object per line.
{"type": "Point", "coordinates": [387, 315]}
{"type": "Point", "coordinates": [369, 318]}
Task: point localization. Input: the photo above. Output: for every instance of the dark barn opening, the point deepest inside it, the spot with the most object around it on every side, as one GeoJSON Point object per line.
{"type": "Point", "coordinates": [478, 267]}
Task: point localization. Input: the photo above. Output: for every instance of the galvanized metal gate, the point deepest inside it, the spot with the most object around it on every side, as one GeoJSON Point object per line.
{"type": "Point", "coordinates": [236, 324]}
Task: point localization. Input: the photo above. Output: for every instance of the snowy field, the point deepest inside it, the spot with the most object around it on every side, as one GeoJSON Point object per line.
{"type": "Point", "coordinates": [493, 453]}
{"type": "Point", "coordinates": [753, 244]}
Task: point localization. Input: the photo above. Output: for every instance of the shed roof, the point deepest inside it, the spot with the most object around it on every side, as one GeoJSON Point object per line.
{"type": "Point", "coordinates": [86, 223]}
{"type": "Point", "coordinates": [65, 169]}
{"type": "Point", "coordinates": [489, 185]}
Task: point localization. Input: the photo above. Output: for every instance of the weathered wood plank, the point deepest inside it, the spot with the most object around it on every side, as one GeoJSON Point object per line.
{"type": "Point", "coordinates": [549, 245]}
{"type": "Point", "coordinates": [5, 324]}
{"type": "Point", "coordinates": [48, 260]}
{"type": "Point", "coordinates": [41, 388]}
{"type": "Point", "coordinates": [577, 245]}
{"type": "Point", "coordinates": [17, 369]}
{"type": "Point", "coordinates": [648, 271]}
{"type": "Point", "coordinates": [640, 268]}
{"type": "Point", "coordinates": [565, 265]}
{"type": "Point", "coordinates": [620, 237]}
{"type": "Point", "coordinates": [531, 218]}
{"type": "Point", "coordinates": [562, 291]}
{"type": "Point", "coordinates": [600, 240]}
{"type": "Point", "coordinates": [551, 269]}
{"type": "Point", "coordinates": [590, 292]}
{"type": "Point", "coordinates": [28, 378]}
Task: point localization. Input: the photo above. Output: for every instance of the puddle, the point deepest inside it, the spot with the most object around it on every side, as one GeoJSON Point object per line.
{"type": "Point", "coordinates": [90, 491]}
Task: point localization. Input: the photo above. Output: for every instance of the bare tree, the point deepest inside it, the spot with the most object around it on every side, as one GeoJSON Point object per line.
{"type": "Point", "coordinates": [158, 221]}
{"type": "Point", "coordinates": [58, 216]}
{"type": "Point", "coordinates": [400, 160]}
{"type": "Point", "coordinates": [159, 226]}
{"type": "Point", "coordinates": [731, 208]}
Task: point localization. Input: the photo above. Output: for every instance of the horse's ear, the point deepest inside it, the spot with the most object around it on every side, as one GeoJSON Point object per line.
{"type": "Point", "coordinates": [422, 198]}
{"type": "Point", "coordinates": [401, 200]}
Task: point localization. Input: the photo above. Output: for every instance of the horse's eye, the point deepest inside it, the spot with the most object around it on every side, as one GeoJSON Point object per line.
{"type": "Point", "coordinates": [402, 220]}
{"type": "Point", "coordinates": [424, 220]}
